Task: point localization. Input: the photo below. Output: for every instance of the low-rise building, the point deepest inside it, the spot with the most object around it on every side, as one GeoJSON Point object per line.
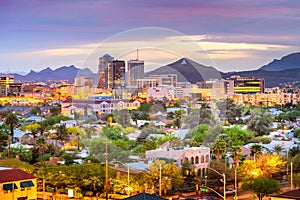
{"type": "Point", "coordinates": [16, 184]}
{"type": "Point", "coordinates": [100, 106]}
{"type": "Point", "coordinates": [198, 156]}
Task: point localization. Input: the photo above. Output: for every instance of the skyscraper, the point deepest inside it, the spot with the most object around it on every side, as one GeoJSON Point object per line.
{"type": "Point", "coordinates": [115, 74]}
{"type": "Point", "coordinates": [135, 70]}
{"type": "Point", "coordinates": [103, 63]}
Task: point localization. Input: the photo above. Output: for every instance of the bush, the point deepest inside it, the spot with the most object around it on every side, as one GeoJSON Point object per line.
{"type": "Point", "coordinates": [261, 139]}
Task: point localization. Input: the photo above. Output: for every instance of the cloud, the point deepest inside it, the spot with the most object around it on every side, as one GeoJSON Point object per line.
{"type": "Point", "coordinates": [160, 50]}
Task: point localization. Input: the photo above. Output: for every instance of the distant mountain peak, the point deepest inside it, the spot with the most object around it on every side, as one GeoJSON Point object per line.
{"type": "Point", "coordinates": [188, 70]}
{"type": "Point", "coordinates": [62, 73]}
{"type": "Point", "coordinates": [291, 61]}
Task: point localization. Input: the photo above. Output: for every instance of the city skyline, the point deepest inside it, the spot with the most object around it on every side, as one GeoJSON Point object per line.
{"type": "Point", "coordinates": [235, 35]}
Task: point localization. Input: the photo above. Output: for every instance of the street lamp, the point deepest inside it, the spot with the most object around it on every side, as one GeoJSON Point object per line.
{"type": "Point", "coordinates": [224, 181]}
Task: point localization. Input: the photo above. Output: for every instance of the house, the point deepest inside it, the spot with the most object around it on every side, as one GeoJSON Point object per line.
{"type": "Point", "coordinates": [16, 184]}
{"type": "Point", "coordinates": [144, 196]}
{"type": "Point", "coordinates": [290, 195]}
{"type": "Point", "coordinates": [198, 156]}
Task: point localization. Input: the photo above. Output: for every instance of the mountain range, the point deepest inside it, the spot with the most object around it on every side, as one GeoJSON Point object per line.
{"type": "Point", "coordinates": [286, 69]}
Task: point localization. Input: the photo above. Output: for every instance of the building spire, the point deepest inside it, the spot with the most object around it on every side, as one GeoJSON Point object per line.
{"type": "Point", "coordinates": [137, 54]}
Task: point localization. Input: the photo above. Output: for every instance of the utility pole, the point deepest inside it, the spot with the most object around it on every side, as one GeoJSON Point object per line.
{"type": "Point", "coordinates": [224, 185]}
{"type": "Point", "coordinates": [292, 185]}
{"type": "Point", "coordinates": [128, 176]}
{"type": "Point", "coordinates": [106, 170]}
{"type": "Point", "coordinates": [44, 195]}
{"type": "Point", "coordinates": [235, 181]}
{"type": "Point", "coordinates": [159, 179]}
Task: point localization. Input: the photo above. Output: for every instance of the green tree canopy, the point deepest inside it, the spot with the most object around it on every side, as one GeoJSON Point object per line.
{"type": "Point", "coordinates": [261, 186]}
{"type": "Point", "coordinates": [11, 120]}
{"type": "Point", "coordinates": [260, 121]}
{"type": "Point", "coordinates": [219, 149]}
{"type": "Point", "coordinates": [238, 136]}
{"type": "Point", "coordinates": [114, 132]}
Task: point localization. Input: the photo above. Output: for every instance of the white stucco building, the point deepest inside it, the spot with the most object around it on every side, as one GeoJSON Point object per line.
{"type": "Point", "coordinates": [198, 156]}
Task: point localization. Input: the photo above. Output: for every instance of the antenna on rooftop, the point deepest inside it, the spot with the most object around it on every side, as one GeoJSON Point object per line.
{"type": "Point", "coordinates": [137, 54]}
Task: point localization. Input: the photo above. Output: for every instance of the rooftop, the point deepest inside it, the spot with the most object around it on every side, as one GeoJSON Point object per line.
{"type": "Point", "coordinates": [11, 174]}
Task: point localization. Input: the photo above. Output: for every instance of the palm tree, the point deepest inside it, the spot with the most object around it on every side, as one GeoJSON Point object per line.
{"type": "Point", "coordinates": [219, 149]}
{"type": "Point", "coordinates": [260, 122]}
{"type": "Point", "coordinates": [62, 133]}
{"type": "Point", "coordinates": [256, 149]}
{"type": "Point", "coordinates": [11, 120]}
{"type": "Point", "coordinates": [277, 149]}
{"type": "Point", "coordinates": [236, 154]}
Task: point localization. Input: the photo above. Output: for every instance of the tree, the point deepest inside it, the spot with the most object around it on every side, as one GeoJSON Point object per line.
{"type": "Point", "coordinates": [11, 120]}
{"type": "Point", "coordinates": [4, 136]}
{"type": "Point", "coordinates": [33, 128]}
{"type": "Point", "coordinates": [277, 149]}
{"type": "Point", "coordinates": [229, 111]}
{"type": "Point", "coordinates": [238, 136]}
{"type": "Point", "coordinates": [296, 163]}
{"type": "Point", "coordinates": [219, 149]}
{"type": "Point", "coordinates": [261, 186]}
{"type": "Point", "coordinates": [35, 110]}
{"type": "Point", "coordinates": [55, 111]}
{"type": "Point", "coordinates": [145, 107]}
{"type": "Point", "coordinates": [255, 149]}
{"type": "Point", "coordinates": [212, 133]}
{"type": "Point", "coordinates": [168, 172]}
{"type": "Point", "coordinates": [260, 122]}
{"type": "Point", "coordinates": [135, 115]}
{"type": "Point", "coordinates": [294, 151]}
{"type": "Point", "coordinates": [62, 133]}
{"type": "Point", "coordinates": [201, 129]}
{"type": "Point", "coordinates": [147, 131]}
{"type": "Point", "coordinates": [177, 120]}
{"type": "Point", "coordinates": [205, 115]}
{"type": "Point", "coordinates": [113, 133]}
{"type": "Point", "coordinates": [263, 166]}
{"type": "Point", "coordinates": [197, 134]}
{"type": "Point", "coordinates": [236, 154]}
{"type": "Point", "coordinates": [122, 117]}
{"type": "Point", "coordinates": [297, 133]}
{"type": "Point", "coordinates": [97, 148]}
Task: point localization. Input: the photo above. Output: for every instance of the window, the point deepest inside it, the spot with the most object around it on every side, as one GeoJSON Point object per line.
{"type": "Point", "coordinates": [192, 160]}
{"type": "Point", "coordinates": [206, 158]}
{"type": "Point", "coordinates": [27, 184]}
{"type": "Point", "coordinates": [202, 159]}
{"type": "Point", "coordinates": [197, 160]}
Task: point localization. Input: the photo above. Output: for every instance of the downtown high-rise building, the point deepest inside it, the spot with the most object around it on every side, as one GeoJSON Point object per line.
{"type": "Point", "coordinates": [135, 70]}
{"type": "Point", "coordinates": [103, 63]}
{"type": "Point", "coordinates": [115, 74]}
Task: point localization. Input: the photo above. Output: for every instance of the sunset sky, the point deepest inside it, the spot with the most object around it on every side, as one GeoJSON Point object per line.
{"type": "Point", "coordinates": [234, 35]}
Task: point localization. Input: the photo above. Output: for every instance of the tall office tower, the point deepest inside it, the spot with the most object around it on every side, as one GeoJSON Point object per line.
{"type": "Point", "coordinates": [115, 74]}
{"type": "Point", "coordinates": [103, 62]}
{"type": "Point", "coordinates": [8, 85]}
{"type": "Point", "coordinates": [135, 69]}
{"type": "Point", "coordinates": [244, 85]}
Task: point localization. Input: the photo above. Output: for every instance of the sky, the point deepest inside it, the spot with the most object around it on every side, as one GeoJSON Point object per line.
{"type": "Point", "coordinates": [232, 35]}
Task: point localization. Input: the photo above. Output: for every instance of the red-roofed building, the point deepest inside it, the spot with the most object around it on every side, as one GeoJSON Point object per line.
{"type": "Point", "coordinates": [16, 184]}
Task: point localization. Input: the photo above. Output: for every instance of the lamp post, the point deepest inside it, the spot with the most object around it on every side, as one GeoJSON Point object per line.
{"type": "Point", "coordinates": [224, 181]}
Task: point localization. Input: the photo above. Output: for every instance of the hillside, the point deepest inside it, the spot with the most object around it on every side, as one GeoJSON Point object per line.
{"type": "Point", "coordinates": [291, 61]}
{"type": "Point", "coordinates": [188, 70]}
{"type": "Point", "coordinates": [63, 73]}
